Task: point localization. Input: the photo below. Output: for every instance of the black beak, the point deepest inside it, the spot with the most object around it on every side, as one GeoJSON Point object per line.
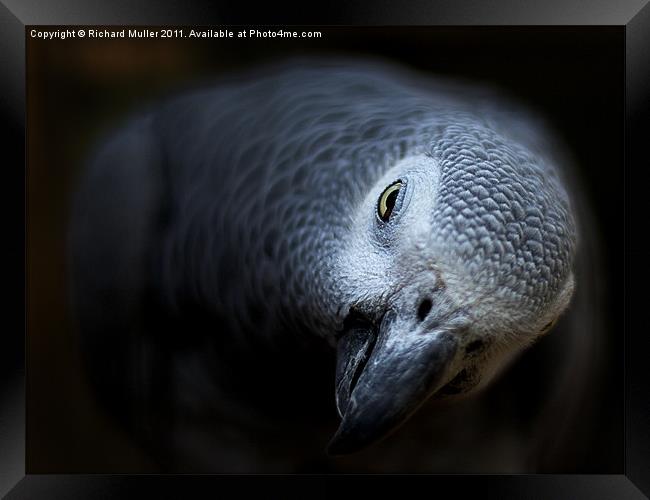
{"type": "Point", "coordinates": [384, 376]}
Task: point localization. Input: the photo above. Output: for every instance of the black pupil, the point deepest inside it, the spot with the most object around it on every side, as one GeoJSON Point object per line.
{"type": "Point", "coordinates": [390, 203]}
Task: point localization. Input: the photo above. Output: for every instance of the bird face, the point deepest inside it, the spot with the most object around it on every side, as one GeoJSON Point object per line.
{"type": "Point", "coordinates": [457, 260]}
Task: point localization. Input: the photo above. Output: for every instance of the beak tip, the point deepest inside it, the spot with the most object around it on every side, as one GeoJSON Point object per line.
{"type": "Point", "coordinates": [332, 450]}
{"type": "Point", "coordinates": [343, 442]}
{"type": "Point", "coordinates": [339, 446]}
{"type": "Point", "coordinates": [351, 436]}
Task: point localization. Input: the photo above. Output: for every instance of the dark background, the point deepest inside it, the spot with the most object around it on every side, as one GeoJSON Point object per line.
{"type": "Point", "coordinates": [78, 89]}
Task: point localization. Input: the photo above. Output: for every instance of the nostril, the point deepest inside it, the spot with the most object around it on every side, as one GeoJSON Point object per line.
{"type": "Point", "coordinates": [424, 309]}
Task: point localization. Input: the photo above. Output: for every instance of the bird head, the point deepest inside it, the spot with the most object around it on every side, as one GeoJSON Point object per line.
{"type": "Point", "coordinates": [458, 257]}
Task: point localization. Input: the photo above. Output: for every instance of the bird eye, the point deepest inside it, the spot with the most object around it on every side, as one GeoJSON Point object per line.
{"type": "Point", "coordinates": [387, 201]}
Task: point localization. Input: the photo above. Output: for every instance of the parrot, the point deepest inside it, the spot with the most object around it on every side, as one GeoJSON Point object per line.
{"type": "Point", "coordinates": [334, 265]}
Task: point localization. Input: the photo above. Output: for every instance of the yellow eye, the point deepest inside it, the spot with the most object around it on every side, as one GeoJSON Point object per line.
{"type": "Point", "coordinates": [387, 201]}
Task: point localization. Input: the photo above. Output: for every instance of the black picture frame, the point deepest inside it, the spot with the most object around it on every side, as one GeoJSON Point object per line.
{"type": "Point", "coordinates": [632, 16]}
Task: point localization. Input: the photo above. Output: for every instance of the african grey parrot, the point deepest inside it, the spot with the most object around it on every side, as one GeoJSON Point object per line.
{"type": "Point", "coordinates": [329, 235]}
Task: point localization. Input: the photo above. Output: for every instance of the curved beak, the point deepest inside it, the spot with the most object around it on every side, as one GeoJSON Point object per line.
{"type": "Point", "coordinates": [383, 377]}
